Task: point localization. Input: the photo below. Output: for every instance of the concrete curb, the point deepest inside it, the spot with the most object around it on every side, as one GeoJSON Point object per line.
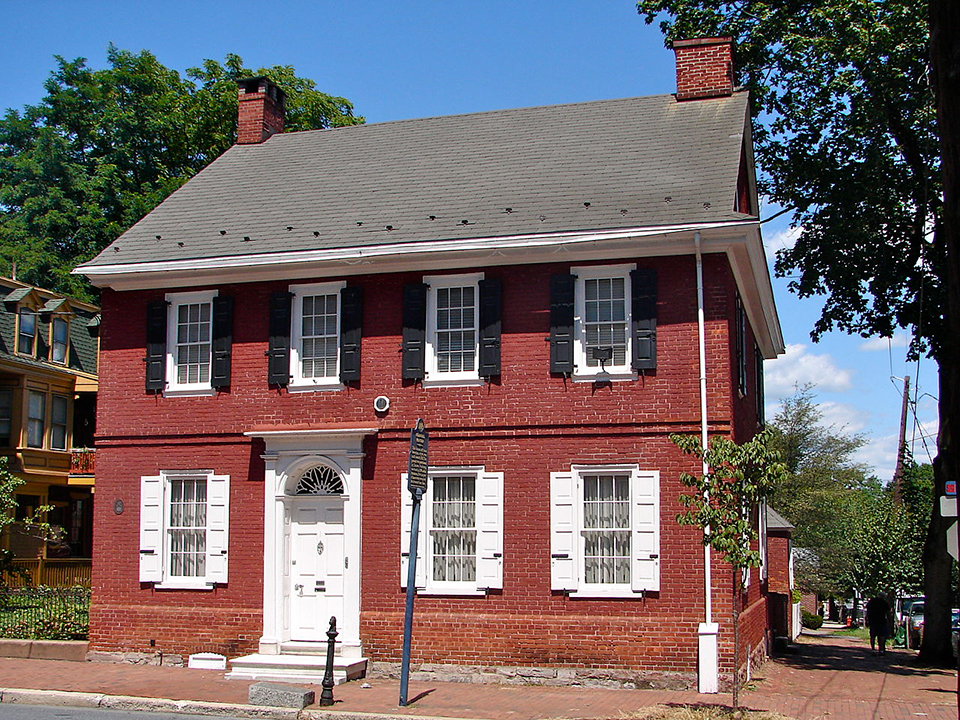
{"type": "Point", "coordinates": [63, 698]}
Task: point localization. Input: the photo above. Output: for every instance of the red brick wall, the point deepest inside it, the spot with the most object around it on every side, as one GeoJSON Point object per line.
{"type": "Point", "coordinates": [526, 424]}
{"type": "Point", "coordinates": [704, 68]}
{"type": "Point", "coordinates": [778, 560]}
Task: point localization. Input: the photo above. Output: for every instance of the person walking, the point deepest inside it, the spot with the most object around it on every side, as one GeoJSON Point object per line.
{"type": "Point", "coordinates": [878, 612]}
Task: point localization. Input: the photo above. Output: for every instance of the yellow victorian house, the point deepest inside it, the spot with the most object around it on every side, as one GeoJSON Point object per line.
{"type": "Point", "coordinates": [48, 391]}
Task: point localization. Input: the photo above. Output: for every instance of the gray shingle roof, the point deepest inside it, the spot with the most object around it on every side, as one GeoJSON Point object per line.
{"type": "Point", "coordinates": [647, 161]}
{"type": "Point", "coordinates": [776, 521]}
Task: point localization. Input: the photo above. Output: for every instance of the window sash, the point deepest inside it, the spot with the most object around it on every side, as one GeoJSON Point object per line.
{"type": "Point", "coordinates": [455, 338]}
{"type": "Point", "coordinates": [58, 346]}
{"type": "Point", "coordinates": [606, 528]}
{"type": "Point", "coordinates": [192, 349]}
{"type": "Point", "coordinates": [58, 423]}
{"type": "Point", "coordinates": [453, 529]}
{"type": "Point", "coordinates": [36, 418]}
{"type": "Point", "coordinates": [6, 416]}
{"type": "Point", "coordinates": [319, 336]}
{"type": "Point", "coordinates": [27, 334]}
{"type": "Point", "coordinates": [187, 527]}
{"type": "Point", "coordinates": [605, 319]}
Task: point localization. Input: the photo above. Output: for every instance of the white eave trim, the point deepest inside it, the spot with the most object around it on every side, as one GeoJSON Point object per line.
{"type": "Point", "coordinates": [121, 272]}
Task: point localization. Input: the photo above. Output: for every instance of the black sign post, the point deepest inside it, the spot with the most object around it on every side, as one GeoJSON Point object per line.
{"type": "Point", "coordinates": [417, 465]}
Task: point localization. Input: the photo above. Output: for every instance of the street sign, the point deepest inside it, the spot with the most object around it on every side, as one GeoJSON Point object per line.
{"type": "Point", "coordinates": [418, 463]}
{"type": "Point", "coordinates": [948, 506]}
{"type": "Point", "coordinates": [950, 488]}
{"type": "Point", "coordinates": [953, 546]}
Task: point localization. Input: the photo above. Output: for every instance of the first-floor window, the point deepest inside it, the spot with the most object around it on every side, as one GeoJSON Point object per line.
{"type": "Point", "coordinates": [184, 518]}
{"type": "Point", "coordinates": [460, 539]}
{"type": "Point", "coordinates": [605, 530]}
{"type": "Point", "coordinates": [36, 418]}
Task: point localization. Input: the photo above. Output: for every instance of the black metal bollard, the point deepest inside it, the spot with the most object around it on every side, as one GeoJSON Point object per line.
{"type": "Point", "coordinates": [326, 696]}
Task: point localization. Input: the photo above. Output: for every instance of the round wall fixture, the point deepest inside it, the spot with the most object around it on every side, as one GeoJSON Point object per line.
{"type": "Point", "coordinates": [381, 403]}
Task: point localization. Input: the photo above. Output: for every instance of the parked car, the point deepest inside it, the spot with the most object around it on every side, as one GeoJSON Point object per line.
{"type": "Point", "coordinates": [955, 630]}
{"type": "Point", "coordinates": [914, 622]}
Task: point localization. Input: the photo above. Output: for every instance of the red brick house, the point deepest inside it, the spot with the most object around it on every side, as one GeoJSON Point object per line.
{"type": "Point", "coordinates": [544, 287]}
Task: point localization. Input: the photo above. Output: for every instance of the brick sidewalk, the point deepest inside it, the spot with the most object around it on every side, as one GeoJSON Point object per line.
{"type": "Point", "coordinates": [832, 677]}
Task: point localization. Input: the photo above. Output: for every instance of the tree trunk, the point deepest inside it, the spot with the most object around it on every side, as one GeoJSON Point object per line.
{"type": "Point", "coordinates": [945, 60]}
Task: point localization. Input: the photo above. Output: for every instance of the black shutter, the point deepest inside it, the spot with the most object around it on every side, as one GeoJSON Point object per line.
{"type": "Point", "coordinates": [156, 358]}
{"type": "Point", "coordinates": [278, 354]}
{"type": "Point", "coordinates": [351, 317]}
{"type": "Point", "coordinates": [643, 318]}
{"type": "Point", "coordinates": [414, 331]}
{"type": "Point", "coordinates": [222, 341]}
{"type": "Point", "coordinates": [489, 345]}
{"type": "Point", "coordinates": [561, 323]}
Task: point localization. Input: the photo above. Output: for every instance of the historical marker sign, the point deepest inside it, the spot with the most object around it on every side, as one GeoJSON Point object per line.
{"type": "Point", "coordinates": [418, 463]}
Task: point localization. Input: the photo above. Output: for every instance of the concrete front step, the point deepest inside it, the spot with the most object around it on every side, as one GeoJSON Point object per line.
{"type": "Point", "coordinates": [295, 668]}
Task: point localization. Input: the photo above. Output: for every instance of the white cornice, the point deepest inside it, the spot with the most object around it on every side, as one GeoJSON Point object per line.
{"type": "Point", "coordinates": [738, 239]}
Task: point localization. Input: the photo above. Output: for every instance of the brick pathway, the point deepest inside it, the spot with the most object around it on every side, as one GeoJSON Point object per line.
{"type": "Point", "coordinates": [831, 677]}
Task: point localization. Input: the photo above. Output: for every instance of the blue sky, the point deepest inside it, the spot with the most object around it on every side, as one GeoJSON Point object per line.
{"type": "Point", "coordinates": [403, 59]}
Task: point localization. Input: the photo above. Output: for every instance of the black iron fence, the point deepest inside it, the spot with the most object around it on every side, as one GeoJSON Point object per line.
{"type": "Point", "coordinates": [45, 613]}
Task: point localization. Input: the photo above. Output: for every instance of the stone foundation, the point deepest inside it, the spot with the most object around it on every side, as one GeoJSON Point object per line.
{"type": "Point", "coordinates": [553, 676]}
{"type": "Point", "coordinates": [136, 658]}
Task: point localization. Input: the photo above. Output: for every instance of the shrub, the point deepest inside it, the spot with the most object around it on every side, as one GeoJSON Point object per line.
{"type": "Point", "coordinates": [810, 620]}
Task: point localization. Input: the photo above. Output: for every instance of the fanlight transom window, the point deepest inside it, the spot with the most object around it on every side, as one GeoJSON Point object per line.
{"type": "Point", "coordinates": [320, 480]}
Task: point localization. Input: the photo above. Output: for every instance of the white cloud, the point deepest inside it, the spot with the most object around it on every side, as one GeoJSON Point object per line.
{"type": "Point", "coordinates": [900, 339]}
{"type": "Point", "coordinates": [880, 455]}
{"type": "Point", "coordinates": [781, 239]}
{"type": "Point", "coordinates": [800, 367]}
{"type": "Point", "coordinates": [843, 416]}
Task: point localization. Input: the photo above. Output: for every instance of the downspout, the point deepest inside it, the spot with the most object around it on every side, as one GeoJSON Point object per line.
{"type": "Point", "coordinates": [702, 345]}
{"type": "Point", "coordinates": [708, 670]}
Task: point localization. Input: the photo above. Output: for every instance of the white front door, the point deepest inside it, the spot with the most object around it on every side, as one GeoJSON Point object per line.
{"type": "Point", "coordinates": [317, 566]}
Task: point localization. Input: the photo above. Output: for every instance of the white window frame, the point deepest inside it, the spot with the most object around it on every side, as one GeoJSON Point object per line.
{"type": "Point", "coordinates": [567, 541]}
{"type": "Point", "coordinates": [433, 376]}
{"type": "Point", "coordinates": [581, 370]}
{"type": "Point", "coordinates": [298, 383]}
{"type": "Point", "coordinates": [489, 529]}
{"type": "Point", "coordinates": [154, 525]}
{"type": "Point", "coordinates": [175, 388]}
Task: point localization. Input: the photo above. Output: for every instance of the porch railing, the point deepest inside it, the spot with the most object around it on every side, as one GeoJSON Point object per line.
{"type": "Point", "coordinates": [51, 572]}
{"type": "Point", "coordinates": [83, 461]}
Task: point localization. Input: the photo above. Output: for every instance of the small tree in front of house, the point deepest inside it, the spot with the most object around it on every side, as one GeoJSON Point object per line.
{"type": "Point", "coordinates": [724, 505]}
{"type": "Point", "coordinates": [34, 524]}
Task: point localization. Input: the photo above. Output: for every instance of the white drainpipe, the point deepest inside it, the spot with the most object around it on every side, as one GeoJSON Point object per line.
{"type": "Point", "coordinates": [707, 666]}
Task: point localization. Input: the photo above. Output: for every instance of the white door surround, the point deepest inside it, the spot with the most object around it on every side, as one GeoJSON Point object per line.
{"type": "Point", "coordinates": [330, 520]}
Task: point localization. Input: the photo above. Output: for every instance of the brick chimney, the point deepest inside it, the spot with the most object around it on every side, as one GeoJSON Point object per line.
{"type": "Point", "coordinates": [704, 68]}
{"type": "Point", "coordinates": [260, 112]}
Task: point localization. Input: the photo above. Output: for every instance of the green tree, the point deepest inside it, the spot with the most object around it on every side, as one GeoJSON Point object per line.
{"type": "Point", "coordinates": [846, 120]}
{"type": "Point", "coordinates": [725, 504]}
{"type": "Point", "coordinates": [820, 493]}
{"type": "Point", "coordinates": [34, 524]}
{"type": "Point", "coordinates": [104, 147]}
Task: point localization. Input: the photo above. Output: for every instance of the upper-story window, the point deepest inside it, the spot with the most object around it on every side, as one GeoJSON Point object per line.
{"type": "Point", "coordinates": [451, 329]}
{"type": "Point", "coordinates": [740, 331]}
{"type": "Point", "coordinates": [59, 330]}
{"type": "Point", "coordinates": [27, 332]}
{"type": "Point", "coordinates": [6, 417]}
{"type": "Point", "coordinates": [36, 418]}
{"type": "Point", "coordinates": [189, 337]}
{"type": "Point", "coordinates": [59, 410]}
{"type": "Point", "coordinates": [315, 336]}
{"type": "Point", "coordinates": [603, 322]}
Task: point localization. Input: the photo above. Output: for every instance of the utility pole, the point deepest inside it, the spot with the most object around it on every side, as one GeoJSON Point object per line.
{"type": "Point", "coordinates": [902, 449]}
